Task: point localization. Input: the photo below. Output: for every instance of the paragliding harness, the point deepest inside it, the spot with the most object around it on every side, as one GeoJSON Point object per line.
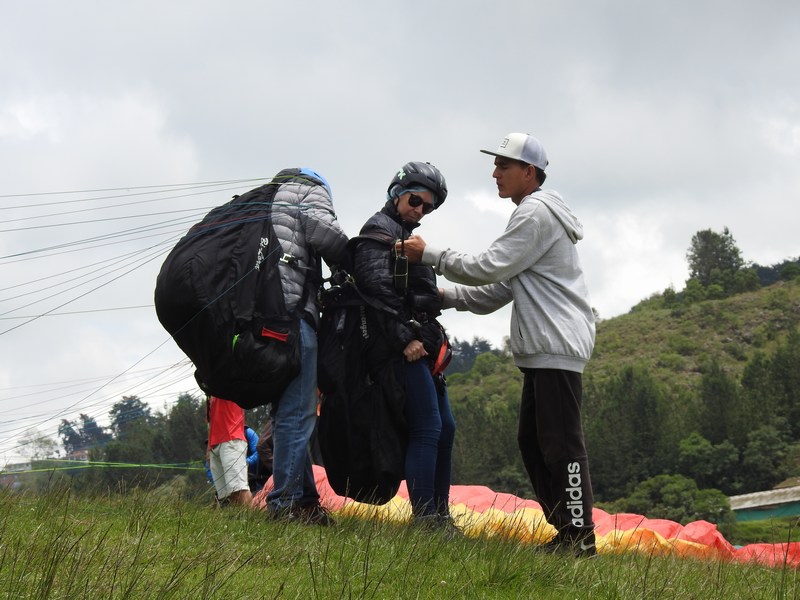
{"type": "Point", "coordinates": [219, 295]}
{"type": "Point", "coordinates": [362, 428]}
{"type": "Point", "coordinates": [363, 434]}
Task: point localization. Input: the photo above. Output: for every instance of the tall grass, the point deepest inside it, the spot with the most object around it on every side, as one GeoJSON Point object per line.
{"type": "Point", "coordinates": [157, 545]}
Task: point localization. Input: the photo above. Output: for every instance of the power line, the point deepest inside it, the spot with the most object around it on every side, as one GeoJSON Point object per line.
{"type": "Point", "coordinates": [73, 382]}
{"type": "Point", "coordinates": [65, 272]}
{"type": "Point", "coordinates": [100, 406]}
{"type": "Point", "coordinates": [141, 187]}
{"type": "Point", "coordinates": [109, 206]}
{"type": "Point", "coordinates": [103, 237]}
{"type": "Point", "coordinates": [156, 255]}
{"type": "Point", "coordinates": [178, 232]}
{"type": "Point", "coordinates": [103, 220]}
{"type": "Point", "coordinates": [115, 265]}
{"type": "Point", "coordinates": [80, 312]}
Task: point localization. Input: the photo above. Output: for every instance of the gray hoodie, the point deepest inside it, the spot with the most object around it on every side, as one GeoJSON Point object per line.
{"type": "Point", "coordinates": [535, 264]}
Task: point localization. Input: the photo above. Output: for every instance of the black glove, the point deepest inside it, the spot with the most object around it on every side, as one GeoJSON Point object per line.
{"type": "Point", "coordinates": [430, 304]}
{"type": "Point", "coordinates": [432, 338]}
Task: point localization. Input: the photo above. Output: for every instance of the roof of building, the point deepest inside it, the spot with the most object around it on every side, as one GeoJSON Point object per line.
{"type": "Point", "coordinates": [763, 499]}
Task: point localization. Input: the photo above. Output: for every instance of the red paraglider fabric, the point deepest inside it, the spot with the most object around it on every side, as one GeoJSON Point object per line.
{"type": "Point", "coordinates": [480, 511]}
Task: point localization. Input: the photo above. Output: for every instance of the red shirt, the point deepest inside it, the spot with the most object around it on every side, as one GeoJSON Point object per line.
{"type": "Point", "coordinates": [225, 421]}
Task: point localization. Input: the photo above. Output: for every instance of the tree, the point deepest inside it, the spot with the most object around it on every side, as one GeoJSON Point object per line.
{"type": "Point", "coordinates": [126, 412]}
{"type": "Point", "coordinates": [763, 460]}
{"type": "Point", "coordinates": [771, 386]}
{"type": "Point", "coordinates": [719, 418]}
{"type": "Point", "coordinates": [485, 404]}
{"type": "Point", "coordinates": [184, 437]}
{"type": "Point", "coordinates": [465, 353]}
{"type": "Point", "coordinates": [37, 446]}
{"type": "Point", "coordinates": [92, 434]}
{"type": "Point", "coordinates": [714, 259]}
{"type": "Point", "coordinates": [785, 270]}
{"type": "Point", "coordinates": [87, 434]}
{"type": "Point", "coordinates": [745, 280]}
{"type": "Point", "coordinates": [670, 297]}
{"type": "Point", "coordinates": [678, 499]}
{"type": "Point", "coordinates": [785, 375]}
{"type": "Point", "coordinates": [70, 437]}
{"type": "Point", "coordinates": [626, 420]}
{"type": "Point", "coordinates": [761, 394]}
{"type": "Point", "coordinates": [708, 465]}
{"type": "Point", "coordinates": [257, 416]}
{"type": "Point", "coordinates": [136, 446]}
{"type": "Point", "coordinates": [789, 271]}
{"type": "Point", "coordinates": [664, 497]}
{"type": "Point", "coordinates": [694, 291]}
{"type": "Point", "coordinates": [713, 506]}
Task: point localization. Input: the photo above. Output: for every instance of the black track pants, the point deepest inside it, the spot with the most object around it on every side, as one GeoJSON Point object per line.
{"type": "Point", "coordinates": [553, 448]}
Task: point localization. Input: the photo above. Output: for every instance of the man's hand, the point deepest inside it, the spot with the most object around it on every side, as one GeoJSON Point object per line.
{"type": "Point", "coordinates": [414, 247]}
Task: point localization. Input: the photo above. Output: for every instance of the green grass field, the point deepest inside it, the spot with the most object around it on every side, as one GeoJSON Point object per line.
{"type": "Point", "coordinates": [154, 545]}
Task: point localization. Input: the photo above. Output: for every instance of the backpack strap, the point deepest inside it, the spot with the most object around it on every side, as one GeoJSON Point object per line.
{"type": "Point", "coordinates": [344, 290]}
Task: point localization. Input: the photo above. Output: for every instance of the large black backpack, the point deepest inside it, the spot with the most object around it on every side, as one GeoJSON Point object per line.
{"type": "Point", "coordinates": [219, 295]}
{"type": "Point", "coordinates": [362, 432]}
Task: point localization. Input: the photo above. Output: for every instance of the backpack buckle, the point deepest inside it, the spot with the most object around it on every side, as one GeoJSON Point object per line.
{"type": "Point", "coordinates": [288, 259]}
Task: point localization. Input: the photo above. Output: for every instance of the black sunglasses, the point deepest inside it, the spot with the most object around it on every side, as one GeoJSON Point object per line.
{"type": "Point", "coordinates": [414, 201]}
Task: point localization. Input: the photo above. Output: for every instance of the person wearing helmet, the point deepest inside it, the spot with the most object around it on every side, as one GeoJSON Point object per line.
{"type": "Point", "coordinates": [411, 335]}
{"type": "Point", "coordinates": [534, 264]}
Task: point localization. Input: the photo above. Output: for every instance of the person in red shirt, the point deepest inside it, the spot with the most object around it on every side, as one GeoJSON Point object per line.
{"type": "Point", "coordinates": [227, 448]}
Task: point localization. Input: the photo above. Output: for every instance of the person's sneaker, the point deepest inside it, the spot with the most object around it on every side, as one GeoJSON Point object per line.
{"type": "Point", "coordinates": [438, 523]}
{"type": "Point", "coordinates": [280, 514]}
{"type": "Point", "coordinates": [313, 514]}
{"type": "Point", "coordinates": [580, 547]}
{"type": "Point", "coordinates": [306, 514]}
{"type": "Point", "coordinates": [448, 526]}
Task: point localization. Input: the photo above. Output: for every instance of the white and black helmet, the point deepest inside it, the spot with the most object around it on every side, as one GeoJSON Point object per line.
{"type": "Point", "coordinates": [416, 174]}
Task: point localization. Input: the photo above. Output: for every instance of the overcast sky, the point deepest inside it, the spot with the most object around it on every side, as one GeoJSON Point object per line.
{"type": "Point", "coordinates": [659, 119]}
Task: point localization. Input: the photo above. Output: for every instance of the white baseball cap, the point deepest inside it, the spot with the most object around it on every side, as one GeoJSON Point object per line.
{"type": "Point", "coordinates": [524, 147]}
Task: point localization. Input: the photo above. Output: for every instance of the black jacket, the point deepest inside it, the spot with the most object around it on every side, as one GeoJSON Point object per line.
{"type": "Point", "coordinates": [374, 268]}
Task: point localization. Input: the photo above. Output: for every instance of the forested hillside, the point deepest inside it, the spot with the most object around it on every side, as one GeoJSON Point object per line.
{"type": "Point", "coordinates": [677, 344]}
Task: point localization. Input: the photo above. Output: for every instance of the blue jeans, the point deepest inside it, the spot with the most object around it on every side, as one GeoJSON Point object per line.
{"type": "Point", "coordinates": [431, 431]}
{"type": "Point", "coordinates": [294, 420]}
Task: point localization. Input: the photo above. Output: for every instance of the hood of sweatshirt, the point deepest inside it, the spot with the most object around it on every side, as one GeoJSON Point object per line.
{"type": "Point", "coordinates": [558, 207]}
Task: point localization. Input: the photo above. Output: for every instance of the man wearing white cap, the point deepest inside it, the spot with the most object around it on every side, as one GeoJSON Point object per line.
{"type": "Point", "coordinates": [535, 265]}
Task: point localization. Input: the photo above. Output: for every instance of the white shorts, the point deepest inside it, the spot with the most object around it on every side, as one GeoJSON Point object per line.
{"type": "Point", "coordinates": [228, 462]}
